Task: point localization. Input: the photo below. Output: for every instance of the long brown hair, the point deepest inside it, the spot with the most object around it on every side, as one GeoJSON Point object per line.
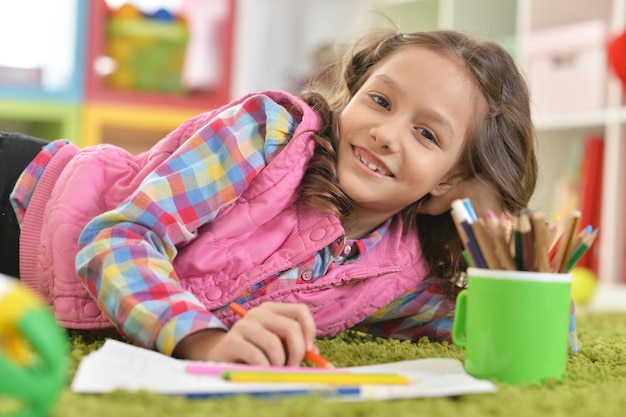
{"type": "Point", "coordinates": [499, 149]}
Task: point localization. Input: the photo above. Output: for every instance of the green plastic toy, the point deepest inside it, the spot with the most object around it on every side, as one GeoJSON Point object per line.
{"type": "Point", "coordinates": [33, 352]}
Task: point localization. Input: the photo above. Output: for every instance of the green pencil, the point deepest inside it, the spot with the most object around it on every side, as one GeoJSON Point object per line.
{"type": "Point", "coordinates": [581, 249]}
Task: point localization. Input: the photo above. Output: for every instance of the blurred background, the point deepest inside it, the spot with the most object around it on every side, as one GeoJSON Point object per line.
{"type": "Point", "coordinates": [129, 71]}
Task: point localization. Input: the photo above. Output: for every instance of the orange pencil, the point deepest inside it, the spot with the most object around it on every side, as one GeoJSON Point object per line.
{"type": "Point", "coordinates": [308, 355]}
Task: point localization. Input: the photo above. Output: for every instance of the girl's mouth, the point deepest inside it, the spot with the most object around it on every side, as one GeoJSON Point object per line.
{"type": "Point", "coordinates": [371, 162]}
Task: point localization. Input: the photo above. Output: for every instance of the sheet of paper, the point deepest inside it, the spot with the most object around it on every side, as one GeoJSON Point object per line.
{"type": "Point", "coordinates": [117, 365]}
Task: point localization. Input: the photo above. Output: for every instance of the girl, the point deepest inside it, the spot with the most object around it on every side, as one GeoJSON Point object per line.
{"type": "Point", "coordinates": [318, 216]}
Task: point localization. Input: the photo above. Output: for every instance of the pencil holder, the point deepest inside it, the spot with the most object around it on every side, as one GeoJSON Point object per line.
{"type": "Point", "coordinates": [33, 352]}
{"type": "Point", "coordinates": [514, 325]}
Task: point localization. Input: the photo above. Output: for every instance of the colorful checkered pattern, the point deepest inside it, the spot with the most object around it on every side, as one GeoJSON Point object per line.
{"type": "Point", "coordinates": [20, 197]}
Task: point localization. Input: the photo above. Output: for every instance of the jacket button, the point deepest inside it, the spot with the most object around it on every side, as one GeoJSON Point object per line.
{"type": "Point", "coordinates": [307, 275]}
{"type": "Point", "coordinates": [213, 294]}
{"type": "Point", "coordinates": [91, 310]}
{"type": "Point", "coordinates": [318, 234]}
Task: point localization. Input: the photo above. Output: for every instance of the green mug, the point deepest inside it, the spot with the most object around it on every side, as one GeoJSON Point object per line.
{"type": "Point", "coordinates": [514, 325]}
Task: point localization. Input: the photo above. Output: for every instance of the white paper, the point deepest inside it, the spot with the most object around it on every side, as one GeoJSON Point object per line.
{"type": "Point", "coordinates": [121, 366]}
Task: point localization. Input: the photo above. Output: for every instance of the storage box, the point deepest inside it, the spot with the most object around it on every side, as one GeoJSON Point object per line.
{"type": "Point", "coordinates": [566, 68]}
{"type": "Point", "coordinates": [148, 54]}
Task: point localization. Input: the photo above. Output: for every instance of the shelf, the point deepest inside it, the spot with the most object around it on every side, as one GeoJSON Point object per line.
{"type": "Point", "coordinates": [132, 127]}
{"type": "Point", "coordinates": [48, 121]}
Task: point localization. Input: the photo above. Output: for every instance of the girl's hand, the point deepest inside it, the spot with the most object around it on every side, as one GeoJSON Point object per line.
{"type": "Point", "coordinates": [271, 334]}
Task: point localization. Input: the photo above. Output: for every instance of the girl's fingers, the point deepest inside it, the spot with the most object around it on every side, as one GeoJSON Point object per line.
{"type": "Point", "coordinates": [263, 341]}
{"type": "Point", "coordinates": [298, 312]}
{"type": "Point", "coordinates": [282, 332]}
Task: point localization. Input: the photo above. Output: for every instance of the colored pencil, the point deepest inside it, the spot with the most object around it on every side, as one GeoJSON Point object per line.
{"type": "Point", "coordinates": [484, 244]}
{"type": "Point", "coordinates": [471, 244]}
{"type": "Point", "coordinates": [527, 242]}
{"type": "Point", "coordinates": [586, 242]}
{"type": "Point", "coordinates": [308, 355]}
{"type": "Point", "coordinates": [497, 234]}
{"type": "Point", "coordinates": [540, 235]}
{"type": "Point", "coordinates": [470, 210]}
{"type": "Point", "coordinates": [523, 241]}
{"type": "Point", "coordinates": [517, 243]}
{"type": "Point", "coordinates": [220, 368]}
{"type": "Point", "coordinates": [559, 263]}
{"type": "Point", "coordinates": [316, 378]}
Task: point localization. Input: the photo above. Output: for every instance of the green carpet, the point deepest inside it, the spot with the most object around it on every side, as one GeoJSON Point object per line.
{"type": "Point", "coordinates": [594, 385]}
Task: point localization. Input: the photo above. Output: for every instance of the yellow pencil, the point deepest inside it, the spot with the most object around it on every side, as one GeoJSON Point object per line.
{"type": "Point", "coordinates": [315, 378]}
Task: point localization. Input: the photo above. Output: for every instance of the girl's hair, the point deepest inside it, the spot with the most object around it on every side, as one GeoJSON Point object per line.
{"type": "Point", "coordinates": [499, 149]}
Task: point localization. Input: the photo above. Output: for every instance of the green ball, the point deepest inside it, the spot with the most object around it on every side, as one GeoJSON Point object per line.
{"type": "Point", "coordinates": [584, 284]}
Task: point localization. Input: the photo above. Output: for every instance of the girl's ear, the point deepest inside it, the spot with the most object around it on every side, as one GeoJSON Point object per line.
{"type": "Point", "coordinates": [441, 196]}
{"type": "Point", "coordinates": [446, 185]}
{"type": "Point", "coordinates": [484, 196]}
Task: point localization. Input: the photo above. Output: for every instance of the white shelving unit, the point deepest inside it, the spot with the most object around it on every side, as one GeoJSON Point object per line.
{"type": "Point", "coordinates": [512, 24]}
{"type": "Point", "coordinates": [608, 121]}
{"type": "Point", "coordinates": [508, 22]}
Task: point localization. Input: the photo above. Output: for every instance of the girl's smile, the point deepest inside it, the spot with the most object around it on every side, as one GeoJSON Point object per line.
{"type": "Point", "coordinates": [371, 163]}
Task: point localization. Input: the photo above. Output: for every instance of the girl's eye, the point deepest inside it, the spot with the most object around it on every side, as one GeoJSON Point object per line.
{"type": "Point", "coordinates": [427, 134]}
{"type": "Point", "coordinates": [381, 101]}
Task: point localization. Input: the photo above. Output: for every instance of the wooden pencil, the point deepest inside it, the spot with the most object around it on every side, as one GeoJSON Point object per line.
{"type": "Point", "coordinates": [498, 235]}
{"type": "Point", "coordinates": [484, 243]}
{"type": "Point", "coordinates": [517, 243]}
{"type": "Point", "coordinates": [540, 235]}
{"type": "Point", "coordinates": [526, 242]}
{"type": "Point", "coordinates": [582, 248]}
{"type": "Point", "coordinates": [564, 250]}
{"type": "Point", "coordinates": [463, 217]}
{"type": "Point", "coordinates": [315, 378]}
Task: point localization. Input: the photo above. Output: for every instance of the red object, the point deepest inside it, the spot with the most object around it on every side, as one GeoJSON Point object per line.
{"type": "Point", "coordinates": [591, 194]}
{"type": "Point", "coordinates": [617, 57]}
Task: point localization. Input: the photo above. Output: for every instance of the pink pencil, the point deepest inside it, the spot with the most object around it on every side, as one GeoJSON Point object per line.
{"type": "Point", "coordinates": [219, 369]}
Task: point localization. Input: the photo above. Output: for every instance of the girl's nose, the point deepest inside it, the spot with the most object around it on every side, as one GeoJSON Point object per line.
{"type": "Point", "coordinates": [386, 136]}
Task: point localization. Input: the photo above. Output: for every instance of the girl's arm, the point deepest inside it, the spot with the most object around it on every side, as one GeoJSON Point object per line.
{"type": "Point", "coordinates": [125, 258]}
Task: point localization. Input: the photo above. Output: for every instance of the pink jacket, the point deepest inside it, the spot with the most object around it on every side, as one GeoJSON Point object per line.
{"type": "Point", "coordinates": [267, 230]}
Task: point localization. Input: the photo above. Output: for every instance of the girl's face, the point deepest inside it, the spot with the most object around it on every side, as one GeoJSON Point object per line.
{"type": "Point", "coordinates": [403, 132]}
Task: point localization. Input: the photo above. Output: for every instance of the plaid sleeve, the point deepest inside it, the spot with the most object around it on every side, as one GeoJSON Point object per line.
{"type": "Point", "coordinates": [126, 254]}
{"type": "Point", "coordinates": [426, 311]}
{"type": "Point", "coordinates": [423, 311]}
{"type": "Point", "coordinates": [26, 183]}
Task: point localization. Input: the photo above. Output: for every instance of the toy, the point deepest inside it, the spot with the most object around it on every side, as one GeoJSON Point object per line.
{"type": "Point", "coordinates": [33, 351]}
{"type": "Point", "coordinates": [584, 284]}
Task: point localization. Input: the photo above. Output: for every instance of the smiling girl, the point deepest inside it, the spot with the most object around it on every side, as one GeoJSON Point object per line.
{"type": "Point", "coordinates": [318, 215]}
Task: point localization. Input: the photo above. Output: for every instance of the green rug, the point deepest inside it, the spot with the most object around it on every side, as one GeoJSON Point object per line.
{"type": "Point", "coordinates": [594, 385]}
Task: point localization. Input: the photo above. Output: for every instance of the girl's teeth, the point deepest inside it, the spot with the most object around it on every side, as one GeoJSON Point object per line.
{"type": "Point", "coordinates": [371, 166]}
